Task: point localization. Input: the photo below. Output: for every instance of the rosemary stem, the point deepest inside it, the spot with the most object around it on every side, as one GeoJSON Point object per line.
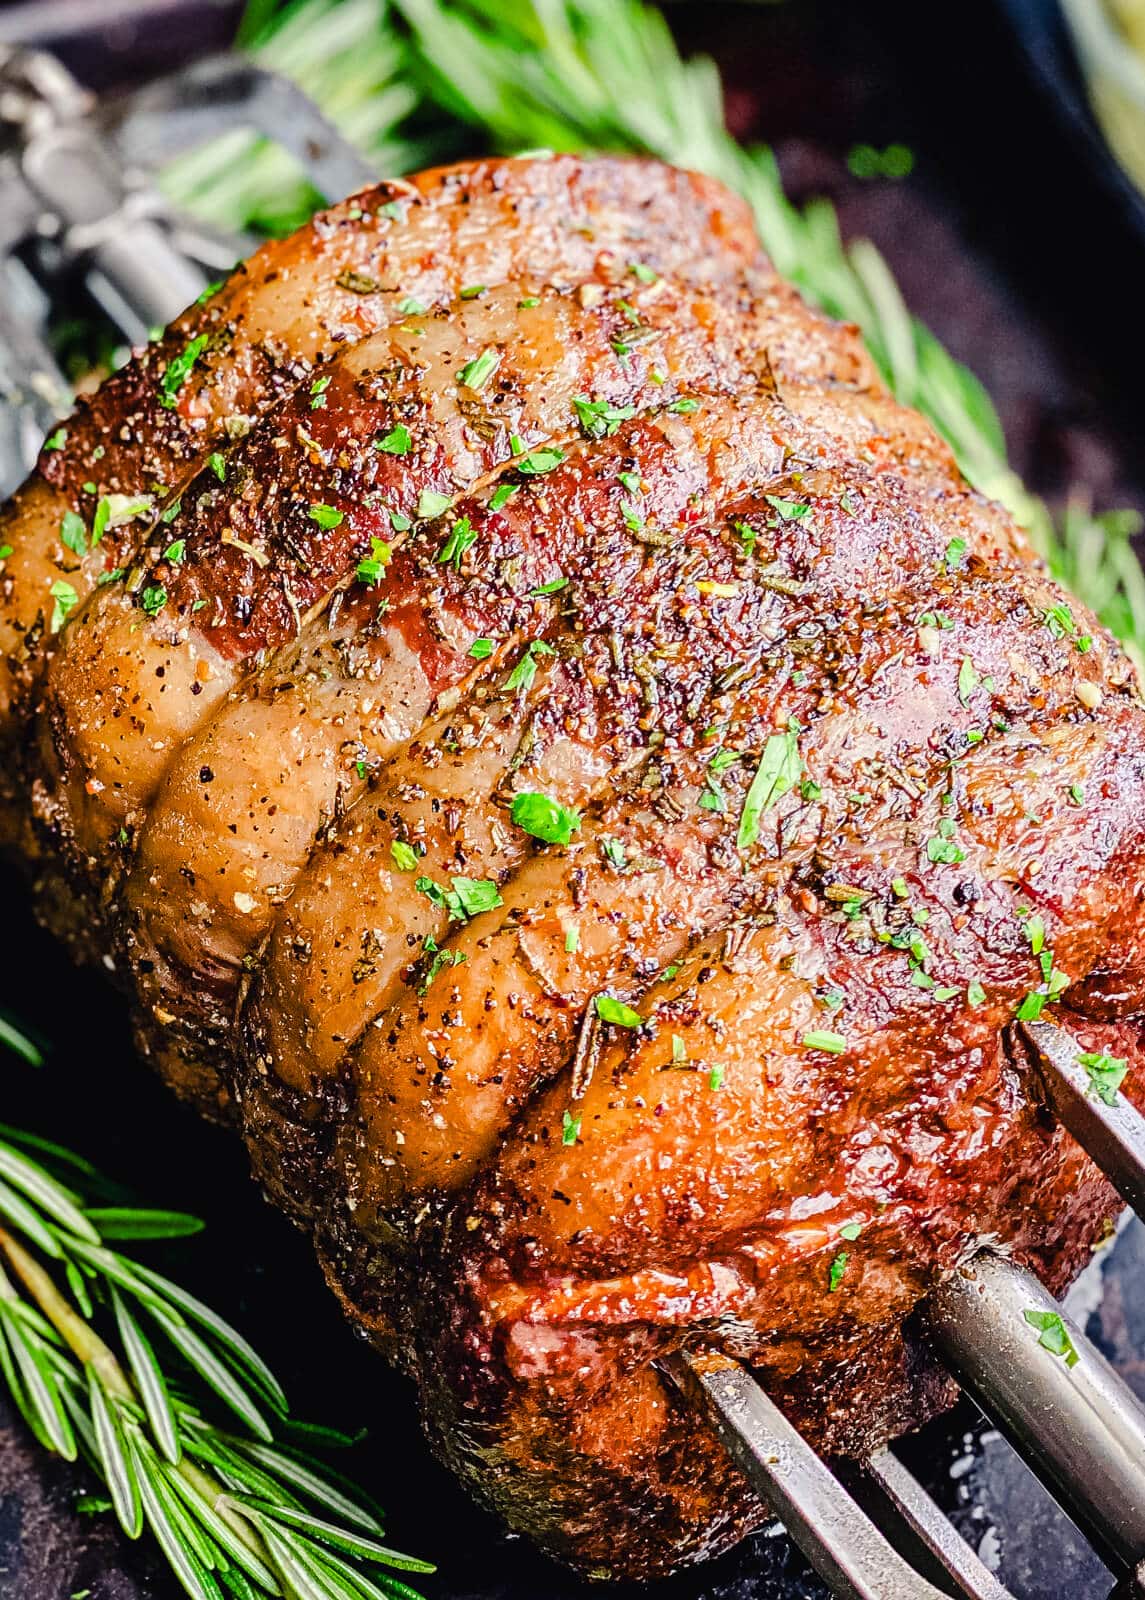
{"type": "Point", "coordinates": [213, 1492]}
{"type": "Point", "coordinates": [87, 1346]}
{"type": "Point", "coordinates": [80, 1337]}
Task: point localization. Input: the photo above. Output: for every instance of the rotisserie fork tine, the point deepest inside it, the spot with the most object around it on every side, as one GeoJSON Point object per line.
{"type": "Point", "coordinates": [1073, 1420]}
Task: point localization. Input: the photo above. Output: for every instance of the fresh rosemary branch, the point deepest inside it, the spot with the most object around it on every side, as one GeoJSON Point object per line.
{"type": "Point", "coordinates": [175, 1413]}
{"type": "Point", "coordinates": [413, 76]}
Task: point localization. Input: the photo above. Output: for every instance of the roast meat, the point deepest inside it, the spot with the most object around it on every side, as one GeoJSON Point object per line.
{"type": "Point", "coordinates": [562, 761]}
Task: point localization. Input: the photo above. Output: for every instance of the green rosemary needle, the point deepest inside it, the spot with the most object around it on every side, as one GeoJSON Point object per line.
{"type": "Point", "coordinates": [169, 1406]}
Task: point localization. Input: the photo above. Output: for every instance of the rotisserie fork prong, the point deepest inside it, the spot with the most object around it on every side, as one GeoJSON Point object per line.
{"type": "Point", "coordinates": [1074, 1421]}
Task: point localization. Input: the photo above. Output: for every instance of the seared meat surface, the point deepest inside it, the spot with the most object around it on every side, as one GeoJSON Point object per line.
{"type": "Point", "coordinates": [565, 763]}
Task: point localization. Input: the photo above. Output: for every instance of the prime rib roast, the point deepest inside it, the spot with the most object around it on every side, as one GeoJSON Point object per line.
{"type": "Point", "coordinates": [565, 764]}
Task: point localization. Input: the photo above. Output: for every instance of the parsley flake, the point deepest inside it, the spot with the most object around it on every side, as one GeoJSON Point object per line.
{"type": "Point", "coordinates": [779, 768]}
{"type": "Point", "coordinates": [371, 567]}
{"type": "Point", "coordinates": [609, 1009]}
{"type": "Point", "coordinates": [544, 818]}
{"type": "Point", "coordinates": [460, 538]}
{"type": "Point", "coordinates": [1053, 1335]}
{"type": "Point", "coordinates": [73, 533]}
{"type": "Point", "coordinates": [538, 462]}
{"type": "Point", "coordinates": [397, 442]}
{"type": "Point", "coordinates": [475, 374]}
{"type": "Point", "coordinates": [404, 856]}
{"type": "Point", "coordinates": [430, 504]}
{"type": "Point", "coordinates": [1105, 1074]}
{"type": "Point", "coordinates": [66, 599]}
{"type": "Point", "coordinates": [326, 516]}
{"type": "Point", "coordinates": [832, 1044]}
{"type": "Point", "coordinates": [178, 370]}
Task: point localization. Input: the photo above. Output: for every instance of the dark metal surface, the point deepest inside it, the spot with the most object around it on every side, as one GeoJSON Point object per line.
{"type": "Point", "coordinates": [1003, 243]}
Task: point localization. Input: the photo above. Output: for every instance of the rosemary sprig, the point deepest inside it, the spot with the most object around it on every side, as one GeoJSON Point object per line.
{"type": "Point", "coordinates": [170, 1407]}
{"type": "Point", "coordinates": [414, 76]}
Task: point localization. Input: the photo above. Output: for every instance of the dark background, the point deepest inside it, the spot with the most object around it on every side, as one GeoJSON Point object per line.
{"type": "Point", "coordinates": [1027, 259]}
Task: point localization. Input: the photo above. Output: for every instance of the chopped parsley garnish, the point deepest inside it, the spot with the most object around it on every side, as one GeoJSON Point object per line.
{"type": "Point", "coordinates": [943, 849]}
{"type": "Point", "coordinates": [1077, 794]}
{"type": "Point", "coordinates": [101, 520]}
{"type": "Point", "coordinates": [615, 854]}
{"type": "Point", "coordinates": [218, 465]}
{"type": "Point", "coordinates": [850, 1231]}
{"type": "Point", "coordinates": [570, 1128]}
{"type": "Point", "coordinates": [5, 551]}
{"type": "Point", "coordinates": [473, 291]}
{"type": "Point", "coordinates": [679, 1050]}
{"type": "Point", "coordinates": [430, 504]}
{"type": "Point", "coordinates": [371, 567]}
{"type": "Point", "coordinates": [1053, 1334]}
{"type": "Point", "coordinates": [1037, 1000]}
{"type": "Point", "coordinates": [408, 306]}
{"type": "Point", "coordinates": [1105, 1074]}
{"type": "Point", "coordinates": [66, 599]}
{"type": "Point", "coordinates": [831, 1043]}
{"type": "Point", "coordinates": [178, 370]}
{"type": "Point", "coordinates": [475, 374]}
{"type": "Point", "coordinates": [643, 273]}
{"type": "Point", "coordinates": [326, 516]}
{"type": "Point", "coordinates": [779, 768]}
{"type": "Point", "coordinates": [175, 551]}
{"type": "Point", "coordinates": [171, 512]}
{"type": "Point", "coordinates": [968, 679]}
{"type": "Point", "coordinates": [524, 673]}
{"type": "Point", "coordinates": [788, 510]}
{"type": "Point", "coordinates": [467, 898]}
{"type": "Point", "coordinates": [503, 495]}
{"type": "Point", "coordinates": [975, 994]}
{"type": "Point", "coordinates": [544, 818]}
{"type": "Point", "coordinates": [73, 533]}
{"type": "Point", "coordinates": [528, 302]}
{"type": "Point", "coordinates": [609, 1009]}
{"type": "Point", "coordinates": [318, 393]}
{"type": "Point", "coordinates": [746, 535]}
{"type": "Point", "coordinates": [684, 406]}
{"type": "Point", "coordinates": [481, 649]}
{"type": "Point", "coordinates": [404, 855]}
{"type": "Point", "coordinates": [899, 889]}
{"type": "Point", "coordinates": [599, 420]}
{"type": "Point", "coordinates": [397, 442]}
{"type": "Point", "coordinates": [1059, 620]}
{"type": "Point", "coordinates": [629, 481]}
{"type": "Point", "coordinates": [153, 599]}
{"type": "Point", "coordinates": [572, 938]}
{"type": "Point", "coordinates": [633, 519]}
{"type": "Point", "coordinates": [838, 1268]}
{"type": "Point", "coordinates": [716, 1076]}
{"type": "Point", "coordinates": [538, 462]}
{"type": "Point", "coordinates": [554, 586]}
{"type": "Point", "coordinates": [441, 958]}
{"type": "Point", "coordinates": [954, 554]}
{"type": "Point", "coordinates": [57, 440]}
{"type": "Point", "coordinates": [1035, 929]}
{"type": "Point", "coordinates": [461, 536]}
